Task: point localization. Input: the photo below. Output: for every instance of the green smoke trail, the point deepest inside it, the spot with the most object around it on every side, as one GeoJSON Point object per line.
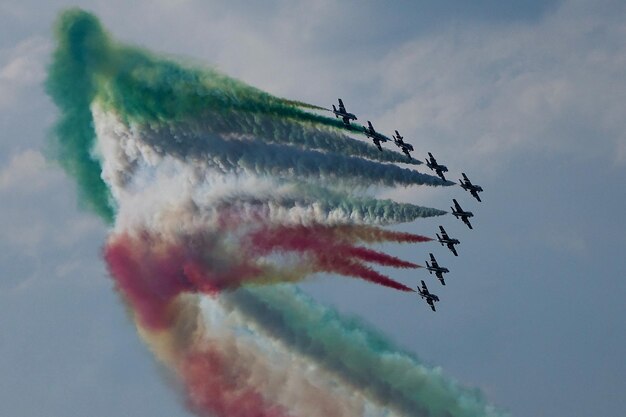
{"type": "Point", "coordinates": [303, 104]}
{"type": "Point", "coordinates": [147, 88]}
{"type": "Point", "coordinates": [357, 354]}
{"type": "Point", "coordinates": [81, 42]}
{"type": "Point", "coordinates": [271, 129]}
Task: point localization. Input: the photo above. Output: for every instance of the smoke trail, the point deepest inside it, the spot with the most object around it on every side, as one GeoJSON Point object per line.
{"type": "Point", "coordinates": [303, 104]}
{"type": "Point", "coordinates": [72, 88]}
{"type": "Point", "coordinates": [279, 160]}
{"type": "Point", "coordinates": [285, 131]}
{"type": "Point", "coordinates": [208, 217]}
{"type": "Point", "coordinates": [359, 355]}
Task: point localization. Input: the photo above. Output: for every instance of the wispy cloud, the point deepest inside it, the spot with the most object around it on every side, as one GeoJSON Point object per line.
{"type": "Point", "coordinates": [21, 68]}
{"type": "Point", "coordinates": [552, 85]}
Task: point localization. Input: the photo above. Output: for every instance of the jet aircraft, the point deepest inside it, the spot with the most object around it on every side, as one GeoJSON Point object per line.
{"type": "Point", "coordinates": [474, 189]}
{"type": "Point", "coordinates": [400, 143]}
{"type": "Point", "coordinates": [458, 212]}
{"type": "Point", "coordinates": [375, 136]}
{"type": "Point", "coordinates": [345, 116]}
{"type": "Point", "coordinates": [444, 239]}
{"type": "Point", "coordinates": [438, 270]}
{"type": "Point", "coordinates": [427, 295]}
{"type": "Point", "coordinates": [431, 163]}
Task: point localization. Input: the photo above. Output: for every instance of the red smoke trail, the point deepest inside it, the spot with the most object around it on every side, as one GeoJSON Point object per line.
{"type": "Point", "coordinates": [151, 272]}
{"type": "Point", "coordinates": [377, 234]}
{"type": "Point", "coordinates": [214, 387]}
{"type": "Point", "coordinates": [326, 253]}
{"type": "Point", "coordinates": [380, 258]}
{"type": "Point", "coordinates": [148, 286]}
{"type": "Point", "coordinates": [356, 269]}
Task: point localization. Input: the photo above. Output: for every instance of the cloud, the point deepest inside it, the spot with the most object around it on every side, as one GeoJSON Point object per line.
{"type": "Point", "coordinates": [21, 68]}
{"type": "Point", "coordinates": [552, 85]}
{"type": "Point", "coordinates": [32, 198]}
{"type": "Point", "coordinates": [26, 172]}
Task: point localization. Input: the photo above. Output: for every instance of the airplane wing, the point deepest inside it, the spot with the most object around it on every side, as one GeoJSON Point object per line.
{"type": "Point", "coordinates": [439, 275]}
{"type": "Point", "coordinates": [456, 205]}
{"type": "Point", "coordinates": [476, 196]}
{"type": "Point", "coordinates": [453, 249]}
{"type": "Point", "coordinates": [432, 305]}
{"type": "Point", "coordinates": [467, 222]}
{"type": "Point", "coordinates": [465, 177]}
{"type": "Point", "coordinates": [432, 258]}
{"type": "Point", "coordinates": [443, 233]}
{"type": "Point", "coordinates": [342, 108]}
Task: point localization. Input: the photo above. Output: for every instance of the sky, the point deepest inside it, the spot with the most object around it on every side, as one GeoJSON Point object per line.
{"type": "Point", "coordinates": [528, 100]}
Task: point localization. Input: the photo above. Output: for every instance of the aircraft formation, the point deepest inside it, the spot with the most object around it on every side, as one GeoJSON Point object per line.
{"type": "Point", "coordinates": [457, 211]}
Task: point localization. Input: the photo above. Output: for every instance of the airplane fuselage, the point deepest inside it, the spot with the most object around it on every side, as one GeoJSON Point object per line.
{"type": "Point", "coordinates": [459, 214]}
{"type": "Point", "coordinates": [345, 115]}
{"type": "Point", "coordinates": [471, 187]}
{"type": "Point", "coordinates": [439, 270]}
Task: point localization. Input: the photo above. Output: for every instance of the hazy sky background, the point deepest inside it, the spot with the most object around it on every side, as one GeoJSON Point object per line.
{"type": "Point", "coordinates": [529, 100]}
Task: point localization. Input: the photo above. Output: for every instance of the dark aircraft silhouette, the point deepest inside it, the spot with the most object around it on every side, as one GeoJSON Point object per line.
{"type": "Point", "coordinates": [458, 212]}
{"type": "Point", "coordinates": [345, 116]}
{"type": "Point", "coordinates": [376, 137]}
{"type": "Point", "coordinates": [444, 239]}
{"type": "Point", "coordinates": [400, 143]}
{"type": "Point", "coordinates": [431, 163]}
{"type": "Point", "coordinates": [438, 270]}
{"type": "Point", "coordinates": [466, 184]}
{"type": "Point", "coordinates": [427, 295]}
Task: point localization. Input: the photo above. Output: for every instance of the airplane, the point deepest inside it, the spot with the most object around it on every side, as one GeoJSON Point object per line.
{"type": "Point", "coordinates": [430, 298]}
{"type": "Point", "coordinates": [444, 239]}
{"type": "Point", "coordinates": [431, 163]}
{"type": "Point", "coordinates": [406, 147]}
{"type": "Point", "coordinates": [474, 189]}
{"type": "Point", "coordinates": [458, 212]}
{"type": "Point", "coordinates": [376, 137]}
{"type": "Point", "coordinates": [343, 114]}
{"type": "Point", "coordinates": [438, 270]}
